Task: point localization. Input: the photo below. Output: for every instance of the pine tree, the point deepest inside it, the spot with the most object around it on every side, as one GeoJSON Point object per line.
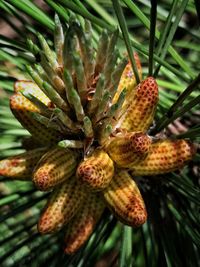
{"type": "Point", "coordinates": [165, 37]}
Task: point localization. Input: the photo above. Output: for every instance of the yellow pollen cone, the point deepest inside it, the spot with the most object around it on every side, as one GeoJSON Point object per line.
{"type": "Point", "coordinates": [63, 204]}
{"type": "Point", "coordinates": [22, 109]}
{"type": "Point", "coordinates": [125, 201]}
{"type": "Point", "coordinates": [96, 171]}
{"type": "Point", "coordinates": [141, 107]}
{"type": "Point", "coordinates": [128, 148]}
{"type": "Point", "coordinates": [128, 80]}
{"type": "Point", "coordinates": [164, 156]}
{"type": "Point", "coordinates": [56, 166]}
{"type": "Point", "coordinates": [29, 143]}
{"type": "Point", "coordinates": [33, 89]}
{"type": "Point", "coordinates": [82, 225]}
{"type": "Point", "coordinates": [21, 166]}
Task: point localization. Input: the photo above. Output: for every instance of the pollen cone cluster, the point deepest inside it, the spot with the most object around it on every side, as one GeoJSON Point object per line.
{"type": "Point", "coordinates": [88, 122]}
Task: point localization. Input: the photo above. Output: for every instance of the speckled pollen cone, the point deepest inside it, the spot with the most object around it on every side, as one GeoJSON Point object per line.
{"type": "Point", "coordinates": [22, 109]}
{"type": "Point", "coordinates": [63, 204]}
{"type": "Point", "coordinates": [31, 88]}
{"type": "Point", "coordinates": [164, 156]}
{"type": "Point", "coordinates": [96, 171]}
{"type": "Point", "coordinates": [128, 148]}
{"type": "Point", "coordinates": [29, 143]}
{"type": "Point", "coordinates": [141, 110]}
{"type": "Point", "coordinates": [21, 166]}
{"type": "Point", "coordinates": [82, 225]}
{"type": "Point", "coordinates": [55, 166]}
{"type": "Point", "coordinates": [128, 80]}
{"type": "Point", "coordinates": [125, 201]}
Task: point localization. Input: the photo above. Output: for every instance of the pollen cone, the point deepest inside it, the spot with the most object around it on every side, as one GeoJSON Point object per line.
{"type": "Point", "coordinates": [141, 108]}
{"type": "Point", "coordinates": [128, 148]}
{"type": "Point", "coordinates": [125, 201]}
{"type": "Point", "coordinates": [82, 225]}
{"type": "Point", "coordinates": [33, 89]}
{"type": "Point", "coordinates": [128, 80]}
{"type": "Point", "coordinates": [21, 166]}
{"type": "Point", "coordinates": [22, 109]}
{"type": "Point", "coordinates": [29, 143]}
{"type": "Point", "coordinates": [164, 156]}
{"type": "Point", "coordinates": [63, 204]}
{"type": "Point", "coordinates": [56, 166]}
{"type": "Point", "coordinates": [96, 171]}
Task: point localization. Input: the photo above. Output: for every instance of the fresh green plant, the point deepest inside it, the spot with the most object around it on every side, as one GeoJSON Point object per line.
{"type": "Point", "coordinates": [166, 37]}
